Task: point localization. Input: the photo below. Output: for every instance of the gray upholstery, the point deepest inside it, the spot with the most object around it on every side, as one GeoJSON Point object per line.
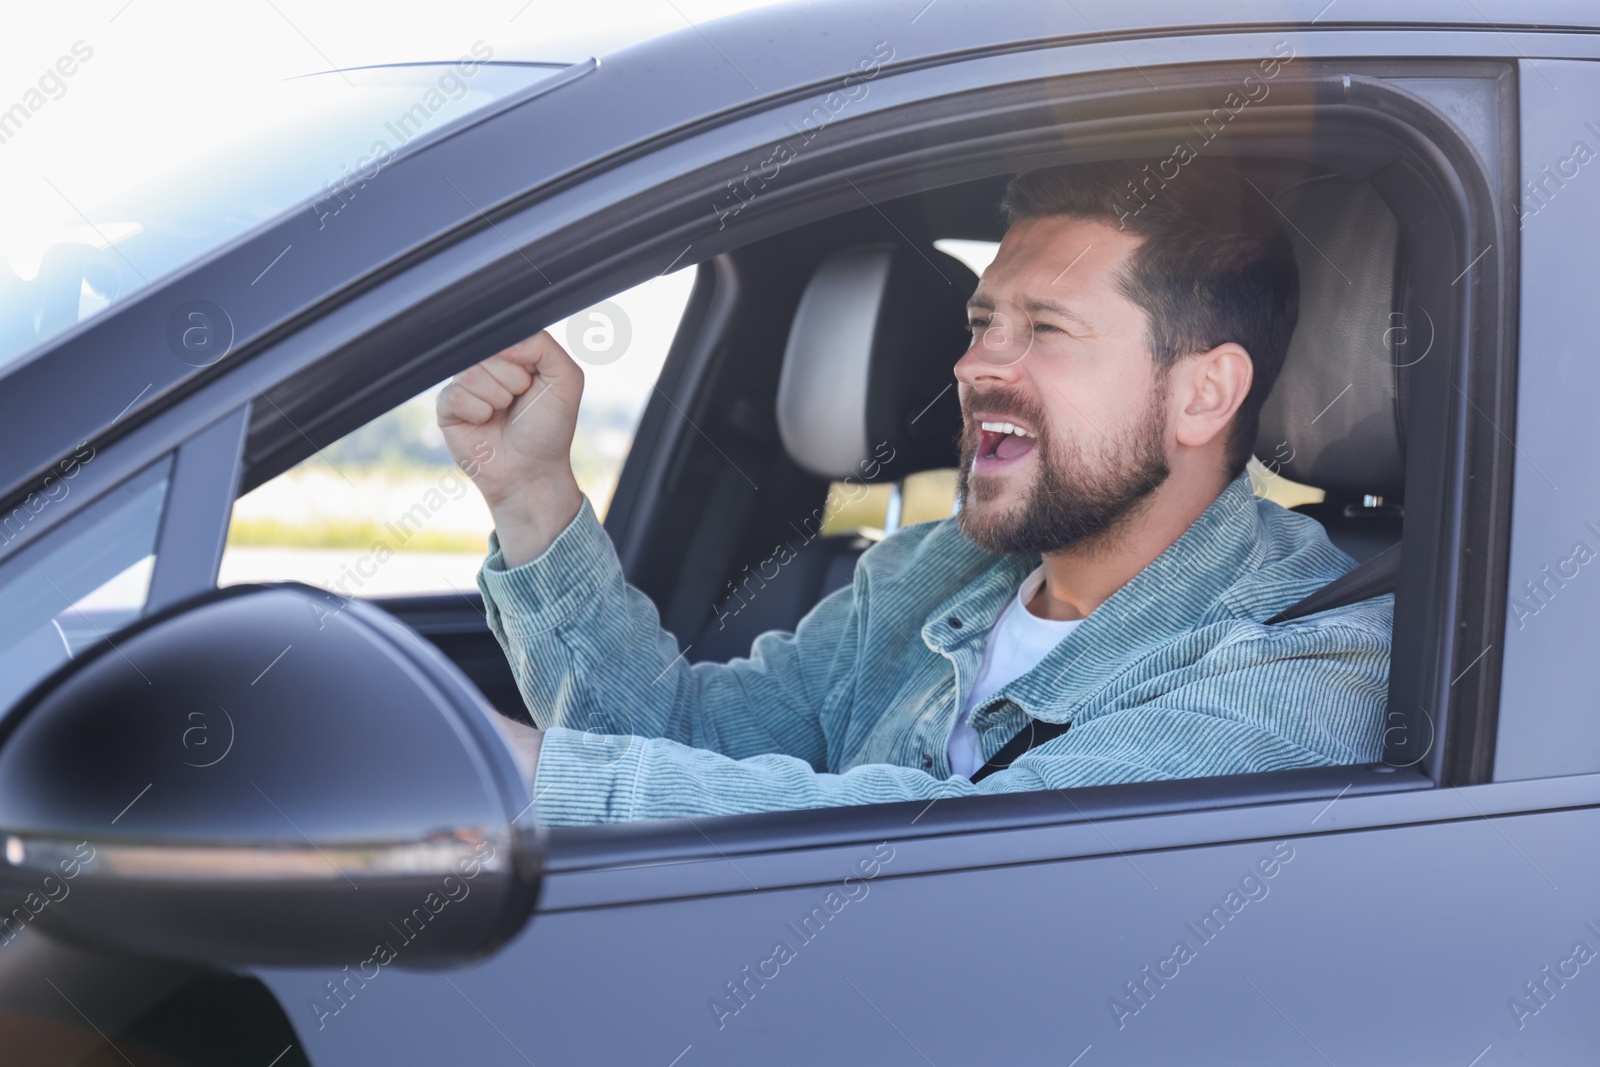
{"type": "Point", "coordinates": [1334, 410]}
{"type": "Point", "coordinates": [822, 392]}
{"type": "Point", "coordinates": [868, 374]}
{"type": "Point", "coordinates": [868, 371]}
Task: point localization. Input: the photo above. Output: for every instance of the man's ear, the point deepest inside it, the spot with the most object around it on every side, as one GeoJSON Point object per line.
{"type": "Point", "coordinates": [1208, 388]}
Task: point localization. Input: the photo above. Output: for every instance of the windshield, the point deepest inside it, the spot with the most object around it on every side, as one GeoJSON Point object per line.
{"type": "Point", "coordinates": [323, 137]}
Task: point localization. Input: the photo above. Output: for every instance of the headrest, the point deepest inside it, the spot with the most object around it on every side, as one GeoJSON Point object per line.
{"type": "Point", "coordinates": [867, 389]}
{"type": "Point", "coordinates": [1333, 420]}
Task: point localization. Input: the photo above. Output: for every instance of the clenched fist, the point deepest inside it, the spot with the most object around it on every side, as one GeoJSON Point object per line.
{"type": "Point", "coordinates": [519, 407]}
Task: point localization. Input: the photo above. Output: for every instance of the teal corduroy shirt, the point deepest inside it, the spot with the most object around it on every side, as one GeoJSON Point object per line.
{"type": "Point", "coordinates": [1174, 676]}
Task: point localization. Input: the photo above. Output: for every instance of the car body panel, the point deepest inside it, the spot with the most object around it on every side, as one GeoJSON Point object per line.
{"type": "Point", "coordinates": [1388, 946]}
{"type": "Point", "coordinates": [1550, 688]}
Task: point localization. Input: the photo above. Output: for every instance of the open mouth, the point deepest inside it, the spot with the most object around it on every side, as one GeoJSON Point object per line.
{"type": "Point", "coordinates": [1003, 442]}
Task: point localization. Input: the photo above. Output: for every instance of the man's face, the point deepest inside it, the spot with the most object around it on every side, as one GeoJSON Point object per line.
{"type": "Point", "coordinates": [1060, 355]}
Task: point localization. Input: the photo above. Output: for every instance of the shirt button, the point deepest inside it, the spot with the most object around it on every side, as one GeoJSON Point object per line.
{"type": "Point", "coordinates": [955, 623]}
{"type": "Point", "coordinates": [927, 761]}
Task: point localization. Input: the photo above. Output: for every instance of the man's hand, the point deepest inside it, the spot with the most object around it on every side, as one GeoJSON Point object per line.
{"type": "Point", "coordinates": [520, 408]}
{"type": "Point", "coordinates": [524, 742]}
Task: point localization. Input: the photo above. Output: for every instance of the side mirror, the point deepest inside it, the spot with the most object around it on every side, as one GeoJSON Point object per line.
{"type": "Point", "coordinates": [265, 775]}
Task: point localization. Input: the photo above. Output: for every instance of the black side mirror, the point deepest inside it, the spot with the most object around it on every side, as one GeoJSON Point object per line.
{"type": "Point", "coordinates": [266, 775]}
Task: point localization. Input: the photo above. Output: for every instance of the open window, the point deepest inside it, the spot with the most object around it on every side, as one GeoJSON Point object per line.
{"type": "Point", "coordinates": [384, 512]}
{"type": "Point", "coordinates": [1384, 197]}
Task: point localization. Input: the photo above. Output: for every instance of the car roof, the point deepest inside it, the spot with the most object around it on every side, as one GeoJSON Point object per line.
{"type": "Point", "coordinates": [792, 43]}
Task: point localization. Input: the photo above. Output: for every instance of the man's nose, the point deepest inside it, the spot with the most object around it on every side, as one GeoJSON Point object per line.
{"type": "Point", "coordinates": [996, 351]}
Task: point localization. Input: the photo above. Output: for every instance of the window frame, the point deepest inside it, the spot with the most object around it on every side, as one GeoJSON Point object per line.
{"type": "Point", "coordinates": [200, 470]}
{"type": "Point", "coordinates": [96, 510]}
{"type": "Point", "coordinates": [628, 252]}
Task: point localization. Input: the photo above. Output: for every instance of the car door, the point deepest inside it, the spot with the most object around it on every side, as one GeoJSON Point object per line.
{"type": "Point", "coordinates": [1222, 920]}
{"type": "Point", "coordinates": [1038, 926]}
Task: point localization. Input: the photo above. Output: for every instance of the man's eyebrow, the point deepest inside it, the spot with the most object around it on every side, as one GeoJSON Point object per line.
{"type": "Point", "coordinates": [1033, 306]}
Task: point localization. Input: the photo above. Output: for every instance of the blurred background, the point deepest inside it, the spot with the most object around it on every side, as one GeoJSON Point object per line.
{"type": "Point", "coordinates": [392, 483]}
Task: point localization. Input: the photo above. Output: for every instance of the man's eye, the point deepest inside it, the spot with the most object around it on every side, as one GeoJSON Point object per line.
{"type": "Point", "coordinates": [977, 325]}
{"type": "Point", "coordinates": [1045, 327]}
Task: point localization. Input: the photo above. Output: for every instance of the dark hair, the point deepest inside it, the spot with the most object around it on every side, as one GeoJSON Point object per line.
{"type": "Point", "coordinates": [1216, 264]}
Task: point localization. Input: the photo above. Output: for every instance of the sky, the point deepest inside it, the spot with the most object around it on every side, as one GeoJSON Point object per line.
{"type": "Point", "coordinates": [164, 78]}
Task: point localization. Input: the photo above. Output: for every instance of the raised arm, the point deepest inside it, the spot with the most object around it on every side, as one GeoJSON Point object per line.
{"type": "Point", "coordinates": [587, 649]}
{"type": "Point", "coordinates": [521, 463]}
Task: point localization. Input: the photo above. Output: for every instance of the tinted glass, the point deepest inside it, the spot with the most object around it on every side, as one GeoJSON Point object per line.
{"type": "Point", "coordinates": [79, 584]}
{"type": "Point", "coordinates": [320, 140]}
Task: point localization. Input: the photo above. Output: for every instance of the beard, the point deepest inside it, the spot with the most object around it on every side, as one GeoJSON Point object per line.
{"type": "Point", "coordinates": [1073, 500]}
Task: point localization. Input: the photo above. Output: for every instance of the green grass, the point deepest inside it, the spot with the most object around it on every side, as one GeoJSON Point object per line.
{"type": "Point", "coordinates": [351, 534]}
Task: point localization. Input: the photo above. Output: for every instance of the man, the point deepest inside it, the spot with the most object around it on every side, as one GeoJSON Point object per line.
{"type": "Point", "coordinates": [1109, 567]}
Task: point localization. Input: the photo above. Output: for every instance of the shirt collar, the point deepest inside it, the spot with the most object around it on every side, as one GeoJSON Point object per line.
{"type": "Point", "coordinates": [1030, 585]}
{"type": "Point", "coordinates": [1025, 592]}
{"type": "Point", "coordinates": [1167, 598]}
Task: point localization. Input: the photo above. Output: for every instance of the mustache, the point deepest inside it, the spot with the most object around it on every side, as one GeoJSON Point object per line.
{"type": "Point", "coordinates": [1003, 405]}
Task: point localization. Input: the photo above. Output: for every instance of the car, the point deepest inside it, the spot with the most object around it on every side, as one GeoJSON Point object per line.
{"type": "Point", "coordinates": [274, 822]}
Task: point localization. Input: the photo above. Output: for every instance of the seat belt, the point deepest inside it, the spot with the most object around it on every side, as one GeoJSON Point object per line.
{"type": "Point", "coordinates": [1036, 733]}
{"type": "Point", "coordinates": [1373, 578]}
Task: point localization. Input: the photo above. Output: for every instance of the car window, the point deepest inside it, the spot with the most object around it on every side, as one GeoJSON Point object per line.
{"type": "Point", "coordinates": [384, 511]}
{"type": "Point", "coordinates": [319, 139]}
{"type": "Point", "coordinates": [78, 584]}
{"type": "Point", "coordinates": [977, 255]}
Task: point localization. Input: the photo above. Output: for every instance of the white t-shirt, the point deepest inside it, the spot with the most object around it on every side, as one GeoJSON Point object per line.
{"type": "Point", "coordinates": [1017, 642]}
